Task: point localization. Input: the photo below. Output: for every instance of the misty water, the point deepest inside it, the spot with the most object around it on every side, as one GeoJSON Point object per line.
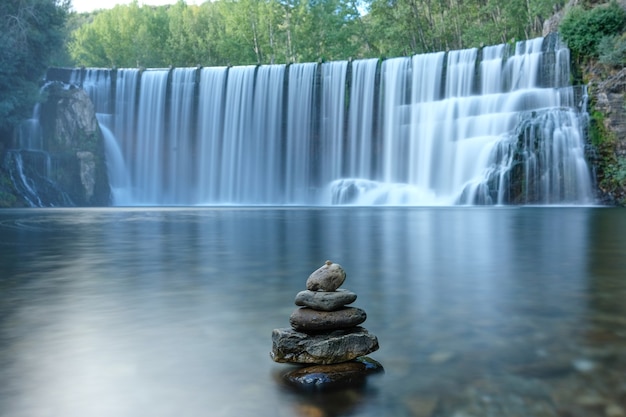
{"type": "Point", "coordinates": [169, 311]}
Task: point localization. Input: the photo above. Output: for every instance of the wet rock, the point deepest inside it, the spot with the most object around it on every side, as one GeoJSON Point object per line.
{"type": "Point", "coordinates": [325, 300]}
{"type": "Point", "coordinates": [420, 406]}
{"type": "Point", "coordinates": [614, 410]}
{"type": "Point", "coordinates": [498, 397]}
{"type": "Point", "coordinates": [556, 368]}
{"type": "Point", "coordinates": [328, 277]}
{"type": "Point", "coordinates": [305, 319]}
{"type": "Point", "coordinates": [290, 346]}
{"type": "Point", "coordinates": [323, 377]}
{"type": "Point", "coordinates": [591, 400]}
{"type": "Point", "coordinates": [439, 358]}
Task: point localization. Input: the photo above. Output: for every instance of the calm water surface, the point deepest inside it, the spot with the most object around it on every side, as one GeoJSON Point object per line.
{"type": "Point", "coordinates": [169, 312]}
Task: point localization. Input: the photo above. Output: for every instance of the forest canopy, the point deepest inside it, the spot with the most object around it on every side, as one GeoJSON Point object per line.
{"type": "Point", "coordinates": [239, 32]}
{"type": "Point", "coordinates": [30, 32]}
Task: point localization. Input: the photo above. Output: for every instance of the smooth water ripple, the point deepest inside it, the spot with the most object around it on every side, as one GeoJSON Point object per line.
{"type": "Point", "coordinates": [169, 312]}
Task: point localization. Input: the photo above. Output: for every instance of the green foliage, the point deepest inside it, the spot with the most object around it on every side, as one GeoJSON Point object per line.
{"type": "Point", "coordinates": [612, 50]}
{"type": "Point", "coordinates": [584, 29]}
{"type": "Point", "coordinates": [239, 32]}
{"type": "Point", "coordinates": [611, 167]}
{"type": "Point", "coordinates": [8, 198]}
{"type": "Point", "coordinates": [401, 27]}
{"type": "Point", "coordinates": [616, 173]}
{"type": "Point", "coordinates": [597, 132]}
{"type": "Point", "coordinates": [30, 30]}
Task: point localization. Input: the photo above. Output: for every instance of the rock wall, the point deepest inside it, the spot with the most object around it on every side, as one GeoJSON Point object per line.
{"type": "Point", "coordinates": [607, 93]}
{"type": "Point", "coordinates": [72, 136]}
{"type": "Point", "coordinates": [69, 168]}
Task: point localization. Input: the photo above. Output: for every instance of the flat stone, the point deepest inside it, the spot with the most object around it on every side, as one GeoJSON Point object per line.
{"type": "Point", "coordinates": [339, 375]}
{"type": "Point", "coordinates": [328, 277]}
{"type": "Point", "coordinates": [305, 319]}
{"type": "Point", "coordinates": [325, 300]}
{"type": "Point", "coordinates": [290, 346]}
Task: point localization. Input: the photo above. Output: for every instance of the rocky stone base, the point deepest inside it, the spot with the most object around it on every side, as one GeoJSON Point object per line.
{"type": "Point", "coordinates": [290, 346]}
{"type": "Point", "coordinates": [326, 377]}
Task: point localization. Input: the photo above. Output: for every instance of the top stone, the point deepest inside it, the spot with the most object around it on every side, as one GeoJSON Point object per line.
{"type": "Point", "coordinates": [328, 277]}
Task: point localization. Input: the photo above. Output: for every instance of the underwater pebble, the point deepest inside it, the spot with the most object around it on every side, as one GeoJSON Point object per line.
{"type": "Point", "coordinates": [583, 365]}
{"type": "Point", "coordinates": [614, 410]}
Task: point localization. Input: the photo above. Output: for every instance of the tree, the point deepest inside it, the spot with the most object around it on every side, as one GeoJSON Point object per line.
{"type": "Point", "coordinates": [124, 36]}
{"type": "Point", "coordinates": [584, 29]}
{"type": "Point", "coordinates": [240, 32]}
{"type": "Point", "coordinates": [30, 30]}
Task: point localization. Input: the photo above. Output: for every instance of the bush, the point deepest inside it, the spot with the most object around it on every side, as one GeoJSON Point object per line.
{"type": "Point", "coordinates": [30, 30]}
{"type": "Point", "coordinates": [584, 30]}
{"type": "Point", "coordinates": [612, 50]}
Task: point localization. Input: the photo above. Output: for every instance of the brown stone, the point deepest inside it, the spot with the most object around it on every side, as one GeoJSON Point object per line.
{"type": "Point", "coordinates": [325, 300]}
{"type": "Point", "coordinates": [340, 375]}
{"type": "Point", "coordinates": [290, 346]}
{"type": "Point", "coordinates": [328, 277]}
{"type": "Point", "coordinates": [305, 319]}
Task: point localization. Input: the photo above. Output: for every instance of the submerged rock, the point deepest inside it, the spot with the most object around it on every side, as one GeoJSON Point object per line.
{"type": "Point", "coordinates": [322, 377]}
{"type": "Point", "coordinates": [291, 346]}
{"type": "Point", "coordinates": [328, 277]}
{"type": "Point", "coordinates": [306, 319]}
{"type": "Point", "coordinates": [325, 300]}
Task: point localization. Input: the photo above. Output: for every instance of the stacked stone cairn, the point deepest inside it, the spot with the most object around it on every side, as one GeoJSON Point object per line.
{"type": "Point", "coordinates": [325, 334]}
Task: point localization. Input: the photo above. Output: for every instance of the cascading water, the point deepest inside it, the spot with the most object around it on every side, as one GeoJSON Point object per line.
{"type": "Point", "coordinates": [300, 155]}
{"type": "Point", "coordinates": [149, 169]}
{"type": "Point", "coordinates": [210, 125]}
{"type": "Point", "coordinates": [332, 121]}
{"type": "Point", "coordinates": [496, 125]}
{"type": "Point", "coordinates": [360, 136]}
{"type": "Point", "coordinates": [235, 179]}
{"type": "Point", "coordinates": [180, 135]}
{"type": "Point", "coordinates": [29, 165]}
{"type": "Point", "coordinates": [267, 139]}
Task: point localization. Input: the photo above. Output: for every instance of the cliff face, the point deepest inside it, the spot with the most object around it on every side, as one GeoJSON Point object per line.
{"type": "Point", "coordinates": [607, 93]}
{"type": "Point", "coordinates": [68, 167]}
{"type": "Point", "coordinates": [75, 139]}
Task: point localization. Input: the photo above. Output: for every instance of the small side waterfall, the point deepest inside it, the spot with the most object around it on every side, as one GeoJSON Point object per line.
{"type": "Point", "coordinates": [29, 165]}
{"type": "Point", "coordinates": [496, 125]}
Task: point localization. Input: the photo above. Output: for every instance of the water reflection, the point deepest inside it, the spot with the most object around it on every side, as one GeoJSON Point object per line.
{"type": "Point", "coordinates": [169, 312]}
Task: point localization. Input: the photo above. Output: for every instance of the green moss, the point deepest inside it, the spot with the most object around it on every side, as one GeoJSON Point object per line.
{"type": "Point", "coordinates": [598, 134]}
{"type": "Point", "coordinates": [611, 167]}
{"type": "Point", "coordinates": [7, 191]}
{"type": "Point", "coordinates": [7, 200]}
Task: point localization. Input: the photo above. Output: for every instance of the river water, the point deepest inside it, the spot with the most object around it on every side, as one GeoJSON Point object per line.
{"type": "Point", "coordinates": [169, 311]}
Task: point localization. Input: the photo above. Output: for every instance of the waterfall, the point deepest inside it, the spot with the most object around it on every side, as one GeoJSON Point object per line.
{"type": "Point", "coordinates": [299, 141]}
{"type": "Point", "coordinates": [360, 149]}
{"type": "Point", "coordinates": [331, 136]}
{"type": "Point", "coordinates": [126, 112]}
{"type": "Point", "coordinates": [180, 136]}
{"type": "Point", "coordinates": [29, 132]}
{"type": "Point", "coordinates": [495, 125]}
{"type": "Point", "coordinates": [210, 124]}
{"type": "Point", "coordinates": [235, 175]}
{"type": "Point", "coordinates": [116, 167]}
{"type": "Point", "coordinates": [267, 139]}
{"type": "Point", "coordinates": [148, 169]}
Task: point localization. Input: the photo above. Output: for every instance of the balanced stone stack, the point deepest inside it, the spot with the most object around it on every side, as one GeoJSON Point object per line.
{"type": "Point", "coordinates": [324, 330]}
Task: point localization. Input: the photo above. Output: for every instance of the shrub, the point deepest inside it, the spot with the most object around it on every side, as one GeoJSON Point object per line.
{"type": "Point", "coordinates": [583, 30]}
{"type": "Point", "coordinates": [612, 50]}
